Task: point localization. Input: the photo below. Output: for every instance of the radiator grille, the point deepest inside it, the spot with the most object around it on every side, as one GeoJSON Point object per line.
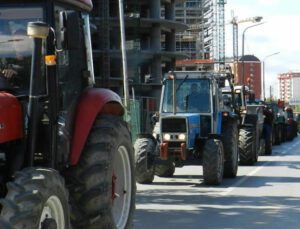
{"type": "Point", "coordinates": [174, 125]}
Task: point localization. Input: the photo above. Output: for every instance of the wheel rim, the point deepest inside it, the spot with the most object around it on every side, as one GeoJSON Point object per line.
{"type": "Point", "coordinates": [53, 210]}
{"type": "Point", "coordinates": [122, 184]}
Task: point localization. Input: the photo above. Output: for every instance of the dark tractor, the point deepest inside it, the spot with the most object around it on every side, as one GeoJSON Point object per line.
{"type": "Point", "coordinates": [194, 127]}
{"type": "Point", "coordinates": [250, 123]}
{"type": "Point", "coordinates": [291, 124]}
{"type": "Point", "coordinates": [279, 125]}
{"type": "Point", "coordinates": [66, 158]}
{"type": "Point", "coordinates": [298, 122]}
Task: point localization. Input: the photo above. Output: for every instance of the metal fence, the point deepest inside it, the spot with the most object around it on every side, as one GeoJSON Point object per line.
{"type": "Point", "coordinates": [139, 115]}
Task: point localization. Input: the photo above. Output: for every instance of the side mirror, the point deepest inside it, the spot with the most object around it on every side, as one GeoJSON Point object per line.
{"type": "Point", "coordinates": [69, 24]}
{"type": "Point", "coordinates": [155, 117]}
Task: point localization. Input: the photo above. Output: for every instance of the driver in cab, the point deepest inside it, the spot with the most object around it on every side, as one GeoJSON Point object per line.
{"type": "Point", "coordinates": [198, 99]}
{"type": "Point", "coordinates": [15, 67]}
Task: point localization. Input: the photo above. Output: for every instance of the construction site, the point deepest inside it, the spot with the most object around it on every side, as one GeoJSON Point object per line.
{"type": "Point", "coordinates": [161, 36]}
{"type": "Point", "coordinates": [122, 114]}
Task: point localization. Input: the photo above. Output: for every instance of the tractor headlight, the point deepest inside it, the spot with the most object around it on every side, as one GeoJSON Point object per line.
{"type": "Point", "coordinates": [181, 137]}
{"type": "Point", "coordinates": [167, 137]}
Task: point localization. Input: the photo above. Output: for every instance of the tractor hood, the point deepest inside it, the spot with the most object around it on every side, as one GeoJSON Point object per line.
{"type": "Point", "coordinates": [11, 125]}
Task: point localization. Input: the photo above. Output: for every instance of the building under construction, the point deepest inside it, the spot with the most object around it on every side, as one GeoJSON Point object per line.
{"type": "Point", "coordinates": [204, 41]}
{"type": "Point", "coordinates": [150, 46]}
{"type": "Point", "coordinates": [158, 32]}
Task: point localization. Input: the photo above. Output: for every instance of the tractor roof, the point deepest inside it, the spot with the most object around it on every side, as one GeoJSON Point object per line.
{"type": "Point", "coordinates": [192, 74]}
{"type": "Point", "coordinates": [84, 4]}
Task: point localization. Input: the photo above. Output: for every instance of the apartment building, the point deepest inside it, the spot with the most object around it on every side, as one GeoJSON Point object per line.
{"type": "Point", "coordinates": [289, 86]}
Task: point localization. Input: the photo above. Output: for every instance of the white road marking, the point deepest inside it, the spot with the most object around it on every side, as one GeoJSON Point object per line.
{"type": "Point", "coordinates": [247, 176]}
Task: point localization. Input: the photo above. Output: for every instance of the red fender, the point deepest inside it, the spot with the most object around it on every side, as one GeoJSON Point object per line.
{"type": "Point", "coordinates": [11, 118]}
{"type": "Point", "coordinates": [92, 102]}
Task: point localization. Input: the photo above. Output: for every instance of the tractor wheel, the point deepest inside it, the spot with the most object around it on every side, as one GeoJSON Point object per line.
{"type": "Point", "coordinates": [166, 169]}
{"type": "Point", "coordinates": [253, 120]}
{"type": "Point", "coordinates": [289, 133]}
{"type": "Point", "coordinates": [268, 136]}
{"type": "Point", "coordinates": [230, 143]}
{"type": "Point", "coordinates": [144, 160]}
{"type": "Point", "coordinates": [36, 198]}
{"type": "Point", "coordinates": [246, 146]}
{"type": "Point", "coordinates": [283, 132]}
{"type": "Point", "coordinates": [102, 184]}
{"type": "Point", "coordinates": [277, 134]}
{"type": "Point", "coordinates": [213, 162]}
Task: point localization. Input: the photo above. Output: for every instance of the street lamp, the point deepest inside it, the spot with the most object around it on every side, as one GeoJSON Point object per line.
{"type": "Point", "coordinates": [243, 49]}
{"type": "Point", "coordinates": [263, 75]}
{"type": "Point", "coordinates": [235, 22]}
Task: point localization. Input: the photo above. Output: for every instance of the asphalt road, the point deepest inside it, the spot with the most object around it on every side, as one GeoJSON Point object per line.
{"type": "Point", "coordinates": [266, 195]}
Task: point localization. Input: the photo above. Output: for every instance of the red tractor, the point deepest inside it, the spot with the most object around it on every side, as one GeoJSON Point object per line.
{"type": "Point", "coordinates": [66, 157]}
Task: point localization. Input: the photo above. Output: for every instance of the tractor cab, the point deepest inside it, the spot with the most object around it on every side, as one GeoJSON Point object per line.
{"type": "Point", "coordinates": [45, 65]}
{"type": "Point", "coordinates": [192, 95]}
{"type": "Point", "coordinates": [59, 134]}
{"type": "Point", "coordinates": [16, 46]}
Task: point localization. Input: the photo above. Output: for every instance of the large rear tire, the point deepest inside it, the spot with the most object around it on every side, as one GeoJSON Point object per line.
{"type": "Point", "coordinates": [37, 198]}
{"type": "Point", "coordinates": [230, 140]}
{"type": "Point", "coordinates": [246, 146]}
{"type": "Point", "coordinates": [144, 160]}
{"type": "Point", "coordinates": [213, 162]}
{"type": "Point", "coordinates": [102, 184]}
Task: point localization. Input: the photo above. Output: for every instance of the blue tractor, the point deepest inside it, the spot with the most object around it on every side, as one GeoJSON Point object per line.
{"type": "Point", "coordinates": [193, 127]}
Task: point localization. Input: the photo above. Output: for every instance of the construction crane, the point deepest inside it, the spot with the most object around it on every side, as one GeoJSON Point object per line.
{"type": "Point", "coordinates": [234, 21]}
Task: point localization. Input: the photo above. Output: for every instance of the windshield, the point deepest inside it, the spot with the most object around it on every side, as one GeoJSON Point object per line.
{"type": "Point", "coordinates": [192, 95]}
{"type": "Point", "coordinates": [15, 45]}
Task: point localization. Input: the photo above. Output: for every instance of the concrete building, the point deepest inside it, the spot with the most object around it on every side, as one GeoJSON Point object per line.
{"type": "Point", "coordinates": [248, 72]}
{"type": "Point", "coordinates": [289, 86]}
{"type": "Point", "coordinates": [150, 43]}
{"type": "Point", "coordinates": [145, 29]}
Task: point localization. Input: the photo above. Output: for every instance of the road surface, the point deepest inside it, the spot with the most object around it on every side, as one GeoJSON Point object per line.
{"type": "Point", "coordinates": [266, 195]}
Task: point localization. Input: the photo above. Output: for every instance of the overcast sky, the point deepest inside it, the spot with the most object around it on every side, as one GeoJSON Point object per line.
{"type": "Point", "coordinates": [280, 33]}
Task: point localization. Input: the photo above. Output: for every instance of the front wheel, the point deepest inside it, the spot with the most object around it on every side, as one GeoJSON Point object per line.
{"type": "Point", "coordinates": [37, 198]}
{"type": "Point", "coordinates": [230, 140]}
{"type": "Point", "coordinates": [213, 162]}
{"type": "Point", "coordinates": [267, 133]}
{"type": "Point", "coordinates": [144, 160]}
{"type": "Point", "coordinates": [247, 146]}
{"type": "Point", "coordinates": [102, 184]}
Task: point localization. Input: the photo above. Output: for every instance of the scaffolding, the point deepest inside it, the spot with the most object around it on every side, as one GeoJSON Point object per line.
{"type": "Point", "coordinates": [221, 31]}
{"type": "Point", "coordinates": [206, 34]}
{"type": "Point", "coordinates": [148, 59]}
